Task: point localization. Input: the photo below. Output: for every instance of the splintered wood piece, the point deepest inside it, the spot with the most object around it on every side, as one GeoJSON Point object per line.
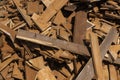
{"type": "Point", "coordinates": [114, 49]}
{"type": "Point", "coordinates": [52, 9]}
{"type": "Point", "coordinates": [47, 2]}
{"type": "Point", "coordinates": [71, 66]}
{"type": "Point", "coordinates": [59, 19]}
{"type": "Point", "coordinates": [32, 7]}
{"type": "Point", "coordinates": [5, 72]}
{"type": "Point", "coordinates": [8, 32]}
{"type": "Point", "coordinates": [29, 53]}
{"type": "Point", "coordinates": [44, 18]}
{"type": "Point", "coordinates": [30, 73]}
{"type": "Point", "coordinates": [16, 72]}
{"type": "Point", "coordinates": [59, 75]}
{"type": "Point", "coordinates": [67, 55]}
{"type": "Point", "coordinates": [113, 72]}
{"type": "Point", "coordinates": [70, 18]}
{"type": "Point", "coordinates": [105, 27]}
{"type": "Point", "coordinates": [6, 51]}
{"type": "Point", "coordinates": [41, 25]}
{"type": "Point", "coordinates": [47, 41]}
{"type": "Point", "coordinates": [63, 54]}
{"type": "Point", "coordinates": [45, 74]}
{"type": "Point", "coordinates": [57, 54]}
{"type": "Point", "coordinates": [6, 62]}
{"type": "Point", "coordinates": [96, 56]}
{"type": "Point", "coordinates": [1, 41]}
{"type": "Point", "coordinates": [65, 72]}
{"type": "Point", "coordinates": [1, 78]}
{"type": "Point", "coordinates": [87, 72]}
{"type": "Point", "coordinates": [23, 13]}
{"type": "Point", "coordinates": [38, 62]}
{"type": "Point", "coordinates": [118, 74]}
{"type": "Point", "coordinates": [105, 72]}
{"type": "Point", "coordinates": [19, 25]}
{"type": "Point", "coordinates": [77, 66]}
{"type": "Point", "coordinates": [64, 34]}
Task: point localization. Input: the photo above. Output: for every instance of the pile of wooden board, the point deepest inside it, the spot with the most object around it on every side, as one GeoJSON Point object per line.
{"type": "Point", "coordinates": [59, 40]}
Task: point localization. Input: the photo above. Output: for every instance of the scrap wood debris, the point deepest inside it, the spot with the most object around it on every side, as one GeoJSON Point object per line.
{"type": "Point", "coordinates": [59, 40]}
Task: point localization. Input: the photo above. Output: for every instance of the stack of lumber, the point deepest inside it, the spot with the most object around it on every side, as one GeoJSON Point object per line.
{"type": "Point", "coordinates": [59, 40]}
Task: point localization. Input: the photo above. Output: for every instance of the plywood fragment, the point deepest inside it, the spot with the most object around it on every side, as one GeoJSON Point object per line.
{"type": "Point", "coordinates": [59, 19]}
{"type": "Point", "coordinates": [32, 7]}
{"type": "Point", "coordinates": [16, 72]}
{"type": "Point", "coordinates": [47, 2]}
{"type": "Point", "coordinates": [45, 74]}
{"type": "Point", "coordinates": [37, 62]}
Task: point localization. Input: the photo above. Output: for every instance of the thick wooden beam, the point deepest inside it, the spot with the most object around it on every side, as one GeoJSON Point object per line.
{"type": "Point", "coordinates": [47, 41]}
{"type": "Point", "coordinates": [87, 72]}
{"type": "Point", "coordinates": [80, 27]}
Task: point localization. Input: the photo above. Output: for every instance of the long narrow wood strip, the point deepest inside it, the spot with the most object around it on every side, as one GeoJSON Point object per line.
{"type": "Point", "coordinates": [23, 13]}
{"type": "Point", "coordinates": [106, 72]}
{"type": "Point", "coordinates": [103, 48]}
{"type": "Point", "coordinates": [96, 57]}
{"type": "Point", "coordinates": [47, 41]}
{"type": "Point", "coordinates": [113, 72]}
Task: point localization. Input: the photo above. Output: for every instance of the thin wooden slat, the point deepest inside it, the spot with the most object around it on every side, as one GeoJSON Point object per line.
{"type": "Point", "coordinates": [113, 72]}
{"type": "Point", "coordinates": [96, 57]}
{"type": "Point", "coordinates": [23, 13]}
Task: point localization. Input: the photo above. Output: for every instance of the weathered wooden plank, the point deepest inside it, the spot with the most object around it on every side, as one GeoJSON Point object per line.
{"type": "Point", "coordinates": [23, 13]}
{"type": "Point", "coordinates": [80, 27]}
{"type": "Point", "coordinates": [47, 41]}
{"type": "Point", "coordinates": [97, 61]}
{"type": "Point", "coordinates": [88, 71]}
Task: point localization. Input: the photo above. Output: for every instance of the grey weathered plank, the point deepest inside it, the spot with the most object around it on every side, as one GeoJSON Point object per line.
{"type": "Point", "coordinates": [83, 75]}
{"type": "Point", "coordinates": [47, 41]}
